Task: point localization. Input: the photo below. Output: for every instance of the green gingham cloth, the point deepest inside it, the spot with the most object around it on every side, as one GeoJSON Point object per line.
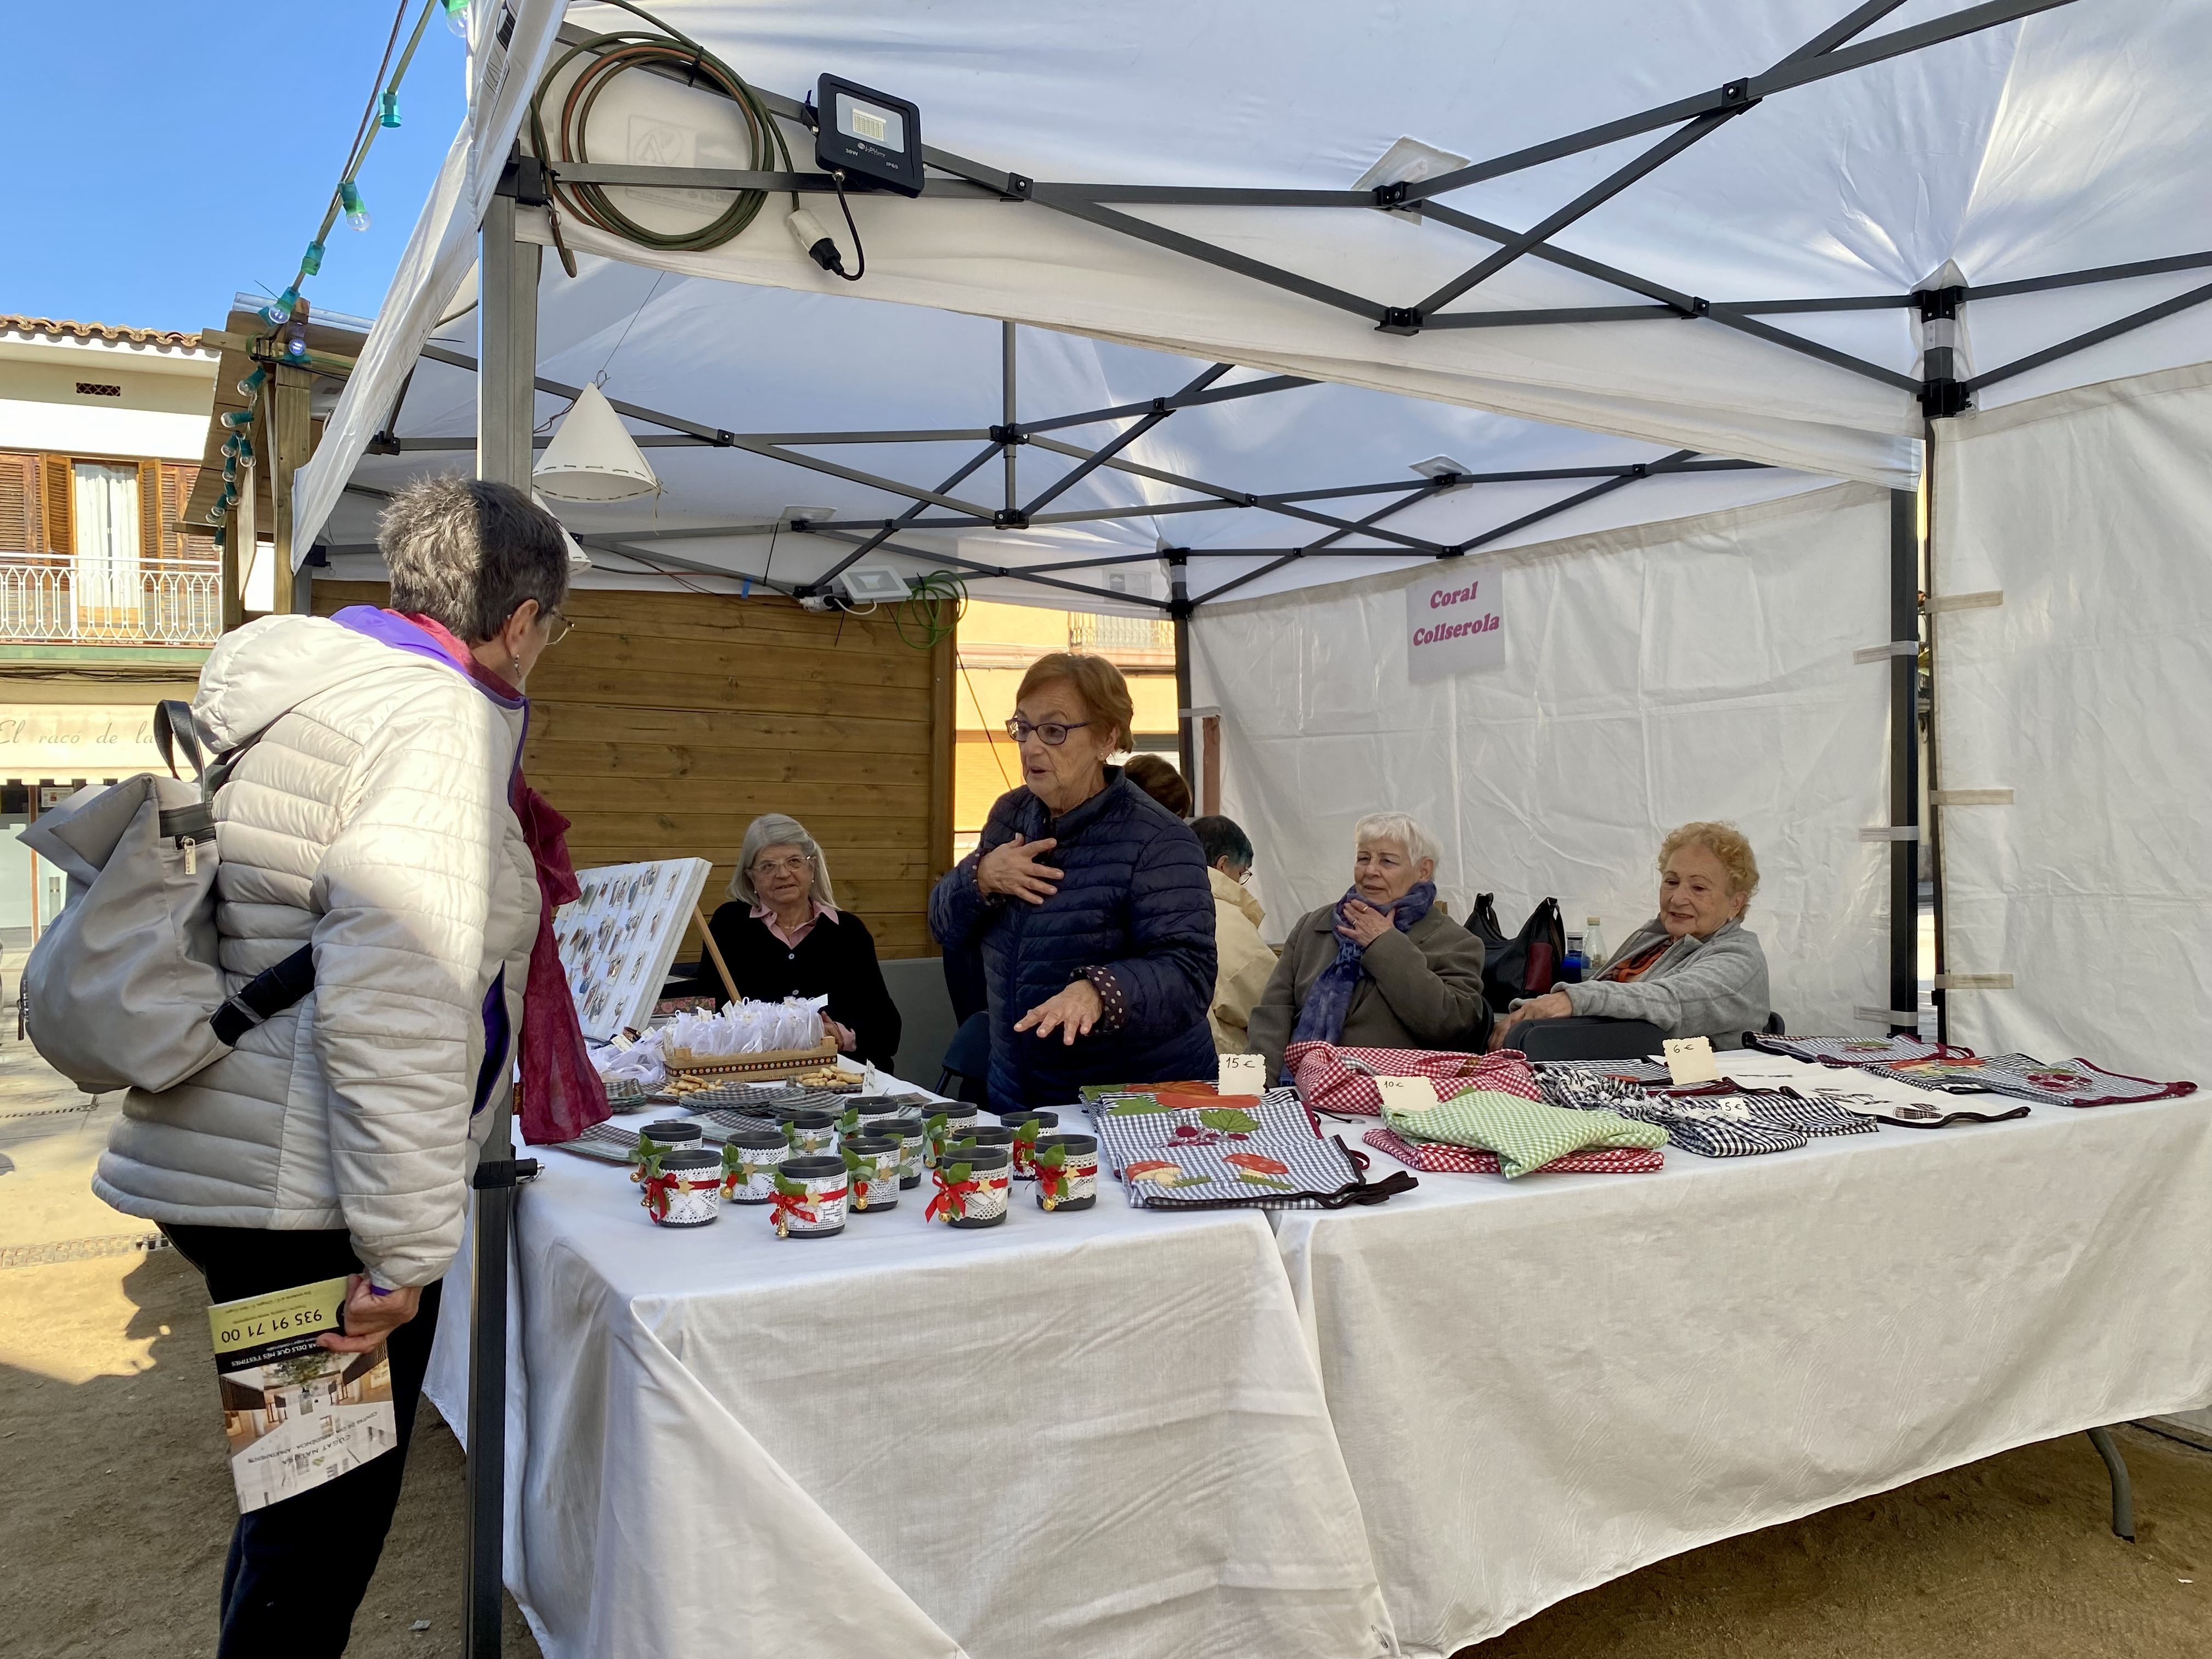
{"type": "Point", "coordinates": [1526, 1134]}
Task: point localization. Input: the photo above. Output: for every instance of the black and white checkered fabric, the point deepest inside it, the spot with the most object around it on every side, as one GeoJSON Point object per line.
{"type": "Point", "coordinates": [1636, 1071]}
{"type": "Point", "coordinates": [1588, 1092]}
{"type": "Point", "coordinates": [1200, 1168]}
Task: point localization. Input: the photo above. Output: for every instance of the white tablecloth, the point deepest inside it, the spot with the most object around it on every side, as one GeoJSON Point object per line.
{"type": "Point", "coordinates": [1541, 1385]}
{"type": "Point", "coordinates": [1094, 1433]}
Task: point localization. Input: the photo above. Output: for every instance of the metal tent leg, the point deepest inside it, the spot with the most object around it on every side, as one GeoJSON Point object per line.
{"type": "Point", "coordinates": [2123, 1497]}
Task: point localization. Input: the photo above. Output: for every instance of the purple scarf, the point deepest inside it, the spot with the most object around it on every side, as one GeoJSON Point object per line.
{"type": "Point", "coordinates": [1321, 1020]}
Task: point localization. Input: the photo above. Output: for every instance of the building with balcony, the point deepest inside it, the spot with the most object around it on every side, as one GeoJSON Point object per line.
{"type": "Point", "coordinates": [996, 645]}
{"type": "Point", "coordinates": [105, 607]}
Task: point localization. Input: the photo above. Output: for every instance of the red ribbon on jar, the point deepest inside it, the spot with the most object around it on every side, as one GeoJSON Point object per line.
{"type": "Point", "coordinates": [658, 1186]}
{"type": "Point", "coordinates": [783, 1206]}
{"type": "Point", "coordinates": [951, 1200]}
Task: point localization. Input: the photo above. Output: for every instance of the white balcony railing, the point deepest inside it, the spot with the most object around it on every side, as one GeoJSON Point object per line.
{"type": "Point", "coordinates": [55, 604]}
{"type": "Point", "coordinates": [1104, 633]}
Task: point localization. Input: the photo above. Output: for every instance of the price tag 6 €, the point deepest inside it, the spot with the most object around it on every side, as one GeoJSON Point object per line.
{"type": "Point", "coordinates": [1242, 1074]}
{"type": "Point", "coordinates": [1689, 1060]}
{"type": "Point", "coordinates": [1406, 1094]}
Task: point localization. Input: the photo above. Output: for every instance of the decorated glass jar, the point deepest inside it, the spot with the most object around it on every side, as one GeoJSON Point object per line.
{"type": "Point", "coordinates": [907, 1131]}
{"type": "Point", "coordinates": [940, 1123]}
{"type": "Point", "coordinates": [810, 1197]}
{"type": "Point", "coordinates": [1027, 1126]}
{"type": "Point", "coordinates": [810, 1133]}
{"type": "Point", "coordinates": [973, 1185]}
{"type": "Point", "coordinates": [656, 1140]}
{"type": "Point", "coordinates": [872, 1167]}
{"type": "Point", "coordinates": [1066, 1171]}
{"type": "Point", "coordinates": [985, 1134]}
{"type": "Point", "coordinates": [749, 1157]}
{"type": "Point", "coordinates": [685, 1189]}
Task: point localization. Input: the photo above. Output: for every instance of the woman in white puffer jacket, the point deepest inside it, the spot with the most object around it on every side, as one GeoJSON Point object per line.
{"type": "Point", "coordinates": [369, 814]}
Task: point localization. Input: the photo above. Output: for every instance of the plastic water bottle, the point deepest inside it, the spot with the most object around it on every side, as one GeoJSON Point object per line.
{"type": "Point", "coordinates": [1570, 971]}
{"type": "Point", "coordinates": [1593, 947]}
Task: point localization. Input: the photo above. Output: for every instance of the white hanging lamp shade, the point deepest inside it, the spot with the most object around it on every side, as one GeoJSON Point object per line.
{"type": "Point", "coordinates": [577, 559]}
{"type": "Point", "coordinates": [592, 457]}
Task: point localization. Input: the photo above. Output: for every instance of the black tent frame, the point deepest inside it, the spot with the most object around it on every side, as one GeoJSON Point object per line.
{"type": "Point", "coordinates": [508, 386]}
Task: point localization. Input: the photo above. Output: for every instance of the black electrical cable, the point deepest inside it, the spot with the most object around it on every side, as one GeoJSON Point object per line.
{"type": "Point", "coordinates": [626, 49]}
{"type": "Point", "coordinates": [860, 253]}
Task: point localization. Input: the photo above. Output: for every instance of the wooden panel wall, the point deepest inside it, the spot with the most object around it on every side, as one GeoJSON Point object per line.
{"type": "Point", "coordinates": [665, 723]}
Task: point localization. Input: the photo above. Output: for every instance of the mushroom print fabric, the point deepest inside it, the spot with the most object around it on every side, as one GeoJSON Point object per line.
{"type": "Point", "coordinates": [1179, 1145]}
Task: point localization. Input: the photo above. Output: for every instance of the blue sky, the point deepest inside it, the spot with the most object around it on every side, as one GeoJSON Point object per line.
{"type": "Point", "coordinates": [170, 154]}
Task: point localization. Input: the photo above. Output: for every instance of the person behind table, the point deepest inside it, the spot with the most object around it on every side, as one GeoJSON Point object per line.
{"type": "Point", "coordinates": [1381, 967]}
{"type": "Point", "coordinates": [373, 816]}
{"type": "Point", "coordinates": [1693, 969]}
{"type": "Point", "coordinates": [1246, 963]}
{"type": "Point", "coordinates": [1090, 902]}
{"type": "Point", "coordinates": [1158, 778]}
{"type": "Point", "coordinates": [782, 935]}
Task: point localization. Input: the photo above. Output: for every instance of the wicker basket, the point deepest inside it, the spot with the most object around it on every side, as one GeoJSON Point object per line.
{"type": "Point", "coordinates": [762, 1067]}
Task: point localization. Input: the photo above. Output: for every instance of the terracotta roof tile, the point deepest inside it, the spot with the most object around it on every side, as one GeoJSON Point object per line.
{"type": "Point", "coordinates": [64, 328]}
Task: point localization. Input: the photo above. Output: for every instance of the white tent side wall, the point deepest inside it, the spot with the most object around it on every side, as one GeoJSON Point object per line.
{"type": "Point", "coordinates": [2084, 693]}
{"type": "Point", "coordinates": [1696, 669]}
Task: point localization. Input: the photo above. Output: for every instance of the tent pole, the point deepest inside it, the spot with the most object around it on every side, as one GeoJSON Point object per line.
{"type": "Point", "coordinates": [1905, 758]}
{"type": "Point", "coordinates": [1006, 353]}
{"type": "Point", "coordinates": [1934, 830]}
{"type": "Point", "coordinates": [506, 405]}
{"type": "Point", "coordinates": [1179, 609]}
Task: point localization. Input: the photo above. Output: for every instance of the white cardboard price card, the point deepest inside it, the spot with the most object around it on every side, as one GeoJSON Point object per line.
{"type": "Point", "coordinates": [1406, 1094]}
{"type": "Point", "coordinates": [1242, 1074]}
{"type": "Point", "coordinates": [1689, 1060]}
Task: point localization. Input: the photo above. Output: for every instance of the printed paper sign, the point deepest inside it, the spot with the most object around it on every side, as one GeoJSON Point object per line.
{"type": "Point", "coordinates": [1689, 1060]}
{"type": "Point", "coordinates": [1406, 1094]}
{"type": "Point", "coordinates": [296, 1414]}
{"type": "Point", "coordinates": [1242, 1074]}
{"type": "Point", "coordinates": [1454, 622]}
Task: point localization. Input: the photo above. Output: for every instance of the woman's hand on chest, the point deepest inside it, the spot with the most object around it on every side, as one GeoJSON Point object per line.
{"type": "Point", "coordinates": [1015, 869]}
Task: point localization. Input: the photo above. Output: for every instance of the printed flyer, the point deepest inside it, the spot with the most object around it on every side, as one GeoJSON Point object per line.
{"type": "Point", "coordinates": [296, 1413]}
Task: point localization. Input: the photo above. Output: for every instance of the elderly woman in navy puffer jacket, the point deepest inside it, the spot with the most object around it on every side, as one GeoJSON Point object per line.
{"type": "Point", "coordinates": [1090, 902]}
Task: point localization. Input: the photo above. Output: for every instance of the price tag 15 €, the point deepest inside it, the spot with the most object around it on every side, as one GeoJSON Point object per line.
{"type": "Point", "coordinates": [1242, 1074]}
{"type": "Point", "coordinates": [1689, 1060]}
{"type": "Point", "coordinates": [1406, 1094]}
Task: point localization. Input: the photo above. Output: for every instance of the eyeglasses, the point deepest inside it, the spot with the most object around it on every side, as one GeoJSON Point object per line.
{"type": "Point", "coordinates": [1244, 876]}
{"type": "Point", "coordinates": [794, 867]}
{"type": "Point", "coordinates": [1053, 731]}
{"type": "Point", "coordinates": [559, 624]}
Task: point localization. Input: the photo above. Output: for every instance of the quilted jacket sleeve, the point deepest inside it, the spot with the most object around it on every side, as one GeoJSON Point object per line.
{"type": "Point", "coordinates": [404, 894]}
{"type": "Point", "coordinates": [1720, 991]}
{"type": "Point", "coordinates": [958, 908]}
{"type": "Point", "coordinates": [1166, 978]}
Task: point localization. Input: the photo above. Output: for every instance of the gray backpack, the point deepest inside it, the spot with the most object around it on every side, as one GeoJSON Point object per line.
{"type": "Point", "coordinates": [125, 990]}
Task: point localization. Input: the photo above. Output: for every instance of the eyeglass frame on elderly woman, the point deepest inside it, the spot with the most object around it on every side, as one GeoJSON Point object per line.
{"type": "Point", "coordinates": [757, 869]}
{"type": "Point", "coordinates": [1019, 729]}
{"type": "Point", "coordinates": [559, 624]}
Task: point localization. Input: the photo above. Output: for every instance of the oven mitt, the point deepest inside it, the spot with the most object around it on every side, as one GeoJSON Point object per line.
{"type": "Point", "coordinates": [1526, 1134]}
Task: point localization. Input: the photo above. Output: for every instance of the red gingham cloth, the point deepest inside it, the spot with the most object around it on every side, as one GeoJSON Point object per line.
{"type": "Point", "coordinates": [1326, 1084]}
{"type": "Point", "coordinates": [1437, 1159]}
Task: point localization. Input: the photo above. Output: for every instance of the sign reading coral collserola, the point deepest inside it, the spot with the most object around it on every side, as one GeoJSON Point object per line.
{"type": "Point", "coordinates": [1454, 622]}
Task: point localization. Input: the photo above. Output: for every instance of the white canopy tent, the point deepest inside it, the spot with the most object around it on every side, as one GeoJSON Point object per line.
{"type": "Point", "coordinates": [1714, 271]}
{"type": "Point", "coordinates": [1789, 241]}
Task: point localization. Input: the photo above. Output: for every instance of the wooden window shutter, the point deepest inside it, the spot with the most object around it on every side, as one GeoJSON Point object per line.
{"type": "Point", "coordinates": [61, 519]}
{"type": "Point", "coordinates": [19, 505]}
{"type": "Point", "coordinates": [149, 512]}
{"type": "Point", "coordinates": [177, 482]}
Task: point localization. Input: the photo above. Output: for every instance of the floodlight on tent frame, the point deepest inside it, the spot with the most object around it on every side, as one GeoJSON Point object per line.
{"type": "Point", "coordinates": [1835, 50]}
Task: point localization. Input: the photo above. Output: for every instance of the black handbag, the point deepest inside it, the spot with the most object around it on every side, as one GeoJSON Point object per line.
{"type": "Point", "coordinates": [1526, 965]}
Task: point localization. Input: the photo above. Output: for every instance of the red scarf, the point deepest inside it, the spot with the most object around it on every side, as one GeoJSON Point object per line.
{"type": "Point", "coordinates": [561, 1096]}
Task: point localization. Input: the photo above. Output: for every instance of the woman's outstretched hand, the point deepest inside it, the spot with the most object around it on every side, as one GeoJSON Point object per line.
{"type": "Point", "coordinates": [1072, 1013]}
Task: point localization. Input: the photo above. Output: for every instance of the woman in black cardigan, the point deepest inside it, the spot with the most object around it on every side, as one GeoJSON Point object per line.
{"type": "Point", "coordinates": [782, 935]}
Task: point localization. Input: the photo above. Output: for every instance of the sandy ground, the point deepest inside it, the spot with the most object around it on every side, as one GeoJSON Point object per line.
{"type": "Point", "coordinates": [118, 1502]}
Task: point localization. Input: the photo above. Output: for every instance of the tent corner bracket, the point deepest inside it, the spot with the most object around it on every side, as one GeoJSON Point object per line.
{"type": "Point", "coordinates": [1399, 320]}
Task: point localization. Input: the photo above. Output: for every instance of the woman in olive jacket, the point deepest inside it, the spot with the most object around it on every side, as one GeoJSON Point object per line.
{"type": "Point", "coordinates": [1382, 968]}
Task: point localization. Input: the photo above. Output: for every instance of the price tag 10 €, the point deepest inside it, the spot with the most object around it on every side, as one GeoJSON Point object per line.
{"type": "Point", "coordinates": [1406, 1094]}
{"type": "Point", "coordinates": [1242, 1074]}
{"type": "Point", "coordinates": [1689, 1060]}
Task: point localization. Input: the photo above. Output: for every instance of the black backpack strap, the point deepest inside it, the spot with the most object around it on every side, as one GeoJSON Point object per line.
{"type": "Point", "coordinates": [265, 996]}
{"type": "Point", "coordinates": [175, 731]}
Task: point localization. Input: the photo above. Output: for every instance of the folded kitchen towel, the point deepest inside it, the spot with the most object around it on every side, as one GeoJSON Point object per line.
{"type": "Point", "coordinates": [1526, 1134]}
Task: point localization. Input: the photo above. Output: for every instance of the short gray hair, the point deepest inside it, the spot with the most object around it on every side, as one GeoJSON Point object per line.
{"type": "Point", "coordinates": [467, 553]}
{"type": "Point", "coordinates": [775, 830]}
{"type": "Point", "coordinates": [1398, 827]}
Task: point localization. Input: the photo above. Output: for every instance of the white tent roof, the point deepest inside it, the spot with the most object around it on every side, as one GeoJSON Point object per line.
{"type": "Point", "coordinates": [2073, 138]}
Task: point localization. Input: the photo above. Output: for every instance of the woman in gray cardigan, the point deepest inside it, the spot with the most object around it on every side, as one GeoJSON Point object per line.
{"type": "Point", "coordinates": [1381, 968]}
{"type": "Point", "coordinates": [1692, 969]}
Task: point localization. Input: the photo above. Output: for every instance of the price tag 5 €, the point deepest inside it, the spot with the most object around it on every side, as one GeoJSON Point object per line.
{"type": "Point", "coordinates": [1242, 1074]}
{"type": "Point", "coordinates": [1406, 1094]}
{"type": "Point", "coordinates": [1689, 1060]}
